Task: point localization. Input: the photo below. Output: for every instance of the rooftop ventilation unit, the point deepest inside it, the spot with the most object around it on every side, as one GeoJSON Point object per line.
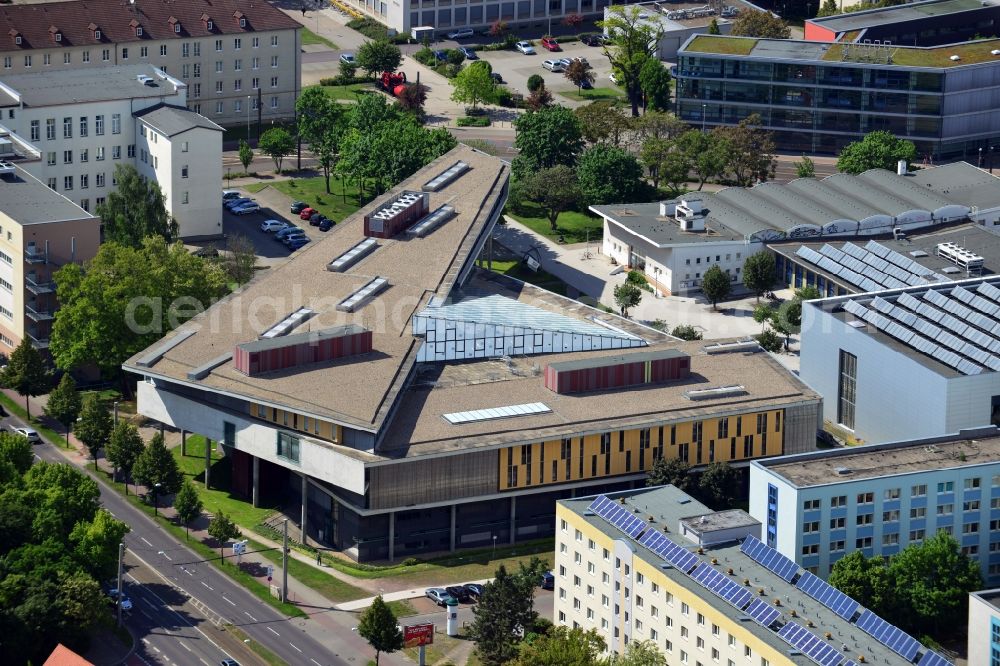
{"type": "Point", "coordinates": [716, 392]}
{"type": "Point", "coordinates": [958, 255]}
{"type": "Point", "coordinates": [856, 323]}
{"type": "Point", "coordinates": [431, 222]}
{"type": "Point", "coordinates": [748, 345]}
{"type": "Point", "coordinates": [620, 371]}
{"type": "Point", "coordinates": [363, 296]}
{"type": "Point", "coordinates": [145, 79]}
{"type": "Point", "coordinates": [288, 323]}
{"type": "Point", "coordinates": [205, 369]}
{"type": "Point", "coordinates": [918, 253]}
{"type": "Point", "coordinates": [690, 215]}
{"type": "Point", "coordinates": [352, 256]}
{"type": "Point", "coordinates": [158, 352]}
{"type": "Point", "coordinates": [397, 215]}
{"type": "Point", "coordinates": [6, 168]}
{"type": "Point", "coordinates": [260, 356]}
{"type": "Point", "coordinates": [446, 177]}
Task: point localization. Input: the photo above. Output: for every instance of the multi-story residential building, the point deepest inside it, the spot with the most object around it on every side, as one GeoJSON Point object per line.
{"type": "Point", "coordinates": [909, 70]}
{"type": "Point", "coordinates": [40, 230]}
{"type": "Point", "coordinates": [231, 53]}
{"type": "Point", "coordinates": [878, 499]}
{"type": "Point", "coordinates": [656, 565]}
{"type": "Point", "coordinates": [864, 353]}
{"type": "Point", "coordinates": [443, 406]}
{"type": "Point", "coordinates": [81, 124]}
{"type": "Point", "coordinates": [984, 628]}
{"type": "Point", "coordinates": [675, 242]}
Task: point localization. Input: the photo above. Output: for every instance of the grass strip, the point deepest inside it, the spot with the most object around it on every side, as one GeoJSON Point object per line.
{"type": "Point", "coordinates": [269, 657]}
{"type": "Point", "coordinates": [51, 435]}
{"type": "Point", "coordinates": [330, 587]}
{"type": "Point", "coordinates": [310, 37]}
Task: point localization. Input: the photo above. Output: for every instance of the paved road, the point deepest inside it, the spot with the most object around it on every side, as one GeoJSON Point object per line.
{"type": "Point", "coordinates": [191, 593]}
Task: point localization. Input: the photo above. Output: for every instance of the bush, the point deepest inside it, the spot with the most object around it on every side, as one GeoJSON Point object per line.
{"type": "Point", "coordinates": [374, 30]}
{"type": "Point", "coordinates": [474, 121]}
{"type": "Point", "coordinates": [344, 81]}
{"type": "Point", "coordinates": [567, 38]}
{"type": "Point", "coordinates": [425, 56]}
{"type": "Point", "coordinates": [507, 43]}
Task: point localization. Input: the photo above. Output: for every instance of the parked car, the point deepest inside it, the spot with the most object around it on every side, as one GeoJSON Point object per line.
{"type": "Point", "coordinates": [273, 225]}
{"type": "Point", "coordinates": [496, 78]}
{"type": "Point", "coordinates": [613, 78]}
{"type": "Point", "coordinates": [122, 599]}
{"type": "Point", "coordinates": [347, 58]}
{"type": "Point", "coordinates": [298, 207]}
{"type": "Point", "coordinates": [326, 225]}
{"type": "Point", "coordinates": [586, 84]}
{"type": "Point", "coordinates": [548, 581]}
{"type": "Point", "coordinates": [462, 33]}
{"type": "Point", "coordinates": [246, 209]}
{"type": "Point", "coordinates": [438, 595]}
{"type": "Point", "coordinates": [441, 55]}
{"type": "Point", "coordinates": [475, 590]}
{"type": "Point", "coordinates": [206, 252]}
{"type": "Point", "coordinates": [551, 44]}
{"type": "Point", "coordinates": [236, 203]}
{"type": "Point", "coordinates": [28, 434]}
{"type": "Point", "coordinates": [306, 213]}
{"type": "Point", "coordinates": [315, 218]}
{"type": "Point", "coordinates": [278, 235]}
{"type": "Point", "coordinates": [230, 194]}
{"type": "Point", "coordinates": [526, 48]}
{"type": "Point", "coordinates": [229, 662]}
{"type": "Point", "coordinates": [554, 65]}
{"type": "Point", "coordinates": [567, 61]}
{"type": "Point", "coordinates": [298, 242]}
{"type": "Point", "coordinates": [591, 39]}
{"type": "Point", "coordinates": [292, 236]}
{"type": "Point", "coordinates": [459, 592]}
{"type": "Point", "coordinates": [468, 52]}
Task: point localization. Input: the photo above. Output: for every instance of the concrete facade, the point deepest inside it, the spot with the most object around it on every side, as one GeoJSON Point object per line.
{"type": "Point", "coordinates": [984, 628]}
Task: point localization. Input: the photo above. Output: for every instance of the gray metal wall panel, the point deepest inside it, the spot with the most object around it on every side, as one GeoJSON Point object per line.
{"type": "Point", "coordinates": [434, 480]}
{"type": "Point", "coordinates": [801, 424]}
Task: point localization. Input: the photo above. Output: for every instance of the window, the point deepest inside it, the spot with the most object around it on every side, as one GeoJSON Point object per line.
{"type": "Point", "coordinates": [116, 152]}
{"type": "Point", "coordinates": [99, 179]}
{"type": "Point", "coordinates": [838, 501]}
{"type": "Point", "coordinates": [27, 61]}
{"type": "Point", "coordinates": [237, 43]}
{"type": "Point", "coordinates": [918, 512]}
{"type": "Point", "coordinates": [50, 158]}
{"type": "Point", "coordinates": [84, 155]}
{"type": "Point", "coordinates": [946, 487]}
{"type": "Point", "coordinates": [255, 84]}
{"type": "Point", "coordinates": [971, 484]}
{"type": "Point", "coordinates": [163, 50]}
{"type": "Point", "coordinates": [810, 527]}
{"type": "Point", "coordinates": [866, 542]}
{"type": "Point", "coordinates": [67, 183]}
{"type": "Point", "coordinates": [8, 62]}
{"type": "Point", "coordinates": [255, 62]}
{"type": "Point", "coordinates": [50, 129]}
{"type": "Point", "coordinates": [864, 519]}
{"type": "Point", "coordinates": [185, 47]}
{"type": "Point", "coordinates": [866, 498]}
{"type": "Point", "coordinates": [143, 51]}
{"type": "Point", "coordinates": [811, 505]}
{"type": "Point", "coordinates": [274, 81]}
{"type": "Point", "coordinates": [918, 491]}
{"type": "Point", "coordinates": [86, 56]}
{"type": "Point", "coordinates": [218, 88]}
{"type": "Point", "coordinates": [218, 105]}
{"type": "Point", "coordinates": [811, 550]}
{"type": "Point", "coordinates": [67, 128]}
{"type": "Point", "coordinates": [83, 126]}
{"type": "Point", "coordinates": [837, 546]}
{"type": "Point", "coordinates": [890, 539]}
{"type": "Point", "coordinates": [970, 528]}
{"type": "Point", "coordinates": [238, 106]}
{"type": "Point", "coordinates": [99, 153]}
{"type": "Point", "coordinates": [890, 516]}
{"type": "Point", "coordinates": [184, 197]}
{"type": "Point", "coordinates": [106, 54]}
{"type": "Point", "coordinates": [274, 40]}
{"type": "Point", "coordinates": [916, 535]}
{"type": "Point", "coordinates": [99, 125]}
{"type": "Point", "coordinates": [186, 71]}
{"type": "Point", "coordinates": [218, 44]}
{"type": "Point", "coordinates": [945, 509]}
{"type": "Point", "coordinates": [256, 42]}
{"type": "Point", "coordinates": [67, 157]}
{"type": "Point", "coordinates": [184, 171]}
{"type": "Point", "coordinates": [66, 58]}
{"type": "Point", "coordinates": [972, 505]}
{"type": "Point", "coordinates": [274, 62]}
{"type": "Point", "coordinates": [892, 494]}
{"type": "Point", "coordinates": [116, 123]}
{"type": "Point", "coordinates": [52, 186]}
{"type": "Point", "coordinates": [838, 523]}
{"type": "Point", "coordinates": [47, 59]}
{"type": "Point", "coordinates": [124, 53]}
{"type": "Point", "coordinates": [288, 446]}
{"type": "Point", "coordinates": [35, 130]}
{"type": "Point", "coordinates": [238, 65]}
{"type": "Point", "coordinates": [238, 85]}
{"type": "Point", "coordinates": [846, 390]}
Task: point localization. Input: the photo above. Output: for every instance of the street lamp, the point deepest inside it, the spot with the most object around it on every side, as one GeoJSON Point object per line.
{"type": "Point", "coordinates": [494, 547]}
{"type": "Point", "coordinates": [248, 118]}
{"type": "Point", "coordinates": [703, 107]}
{"type": "Point", "coordinates": [992, 148]}
{"type": "Point", "coordinates": [980, 157]}
{"type": "Point", "coordinates": [156, 495]}
{"type": "Point", "coordinates": [116, 412]}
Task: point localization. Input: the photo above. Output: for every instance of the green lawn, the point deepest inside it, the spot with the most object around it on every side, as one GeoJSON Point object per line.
{"type": "Point", "coordinates": [721, 44]}
{"type": "Point", "coordinates": [594, 94]}
{"type": "Point", "coordinates": [332, 588]}
{"type": "Point", "coordinates": [310, 37]}
{"type": "Point", "coordinates": [517, 269]}
{"type": "Point", "coordinates": [335, 206]}
{"type": "Point", "coordinates": [571, 224]}
{"type": "Point", "coordinates": [238, 132]}
{"type": "Point", "coordinates": [16, 408]}
{"type": "Point", "coordinates": [348, 93]}
{"type": "Point", "coordinates": [402, 608]}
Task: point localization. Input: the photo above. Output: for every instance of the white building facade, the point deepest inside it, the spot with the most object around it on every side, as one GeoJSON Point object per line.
{"type": "Point", "coordinates": [984, 628]}
{"type": "Point", "coordinates": [83, 124]}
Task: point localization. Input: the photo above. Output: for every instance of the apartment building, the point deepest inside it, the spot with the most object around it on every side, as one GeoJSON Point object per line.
{"type": "Point", "coordinates": [40, 230]}
{"type": "Point", "coordinates": [878, 499]}
{"type": "Point", "coordinates": [984, 628]}
{"type": "Point", "coordinates": [441, 406]}
{"type": "Point", "coordinates": [79, 125]}
{"type": "Point", "coordinates": [233, 54]}
{"type": "Point", "coordinates": [656, 565]}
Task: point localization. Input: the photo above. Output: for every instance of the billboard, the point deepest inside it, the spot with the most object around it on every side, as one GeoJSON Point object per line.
{"type": "Point", "coordinates": [415, 635]}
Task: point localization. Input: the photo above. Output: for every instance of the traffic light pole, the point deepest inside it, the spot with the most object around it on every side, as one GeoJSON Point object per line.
{"type": "Point", "coordinates": [284, 564]}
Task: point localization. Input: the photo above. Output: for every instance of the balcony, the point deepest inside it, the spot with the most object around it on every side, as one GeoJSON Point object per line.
{"type": "Point", "coordinates": [39, 342]}
{"type": "Point", "coordinates": [37, 314]}
{"type": "Point", "coordinates": [39, 286]}
{"type": "Point", "coordinates": [34, 256]}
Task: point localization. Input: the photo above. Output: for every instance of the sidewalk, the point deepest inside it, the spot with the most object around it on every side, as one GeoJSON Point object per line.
{"type": "Point", "coordinates": [361, 604]}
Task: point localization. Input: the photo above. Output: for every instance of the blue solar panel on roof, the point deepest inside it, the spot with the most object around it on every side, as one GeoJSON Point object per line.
{"type": "Point", "coordinates": [828, 595]}
{"type": "Point", "coordinates": [810, 645]}
{"type": "Point", "coordinates": [889, 635]}
{"type": "Point", "coordinates": [931, 658]}
{"type": "Point", "coordinates": [770, 558]}
{"type": "Point", "coordinates": [597, 503]}
{"type": "Point", "coordinates": [682, 559]}
{"type": "Point", "coordinates": [762, 613]}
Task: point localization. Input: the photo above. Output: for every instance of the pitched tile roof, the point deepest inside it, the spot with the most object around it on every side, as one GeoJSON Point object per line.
{"type": "Point", "coordinates": [78, 22]}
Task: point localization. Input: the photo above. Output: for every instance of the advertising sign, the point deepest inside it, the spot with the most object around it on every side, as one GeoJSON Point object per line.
{"type": "Point", "coordinates": [416, 635]}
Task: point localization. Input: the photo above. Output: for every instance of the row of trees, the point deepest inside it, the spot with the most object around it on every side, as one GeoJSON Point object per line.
{"type": "Point", "coordinates": [718, 485]}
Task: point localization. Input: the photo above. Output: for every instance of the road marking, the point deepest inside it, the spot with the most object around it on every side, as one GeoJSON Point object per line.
{"type": "Point", "coordinates": [231, 602]}
{"type": "Point", "coordinates": [316, 662]}
{"type": "Point", "coordinates": [204, 662]}
{"type": "Point", "coordinates": [296, 649]}
{"type": "Point", "coordinates": [250, 616]}
{"type": "Point", "coordinates": [156, 649]}
{"type": "Point", "coordinates": [167, 556]}
{"type": "Point", "coordinates": [145, 641]}
{"type": "Point", "coordinates": [208, 586]}
{"type": "Point", "coordinates": [273, 631]}
{"type": "Point", "coordinates": [185, 646]}
{"type": "Point", "coordinates": [143, 611]}
{"type": "Point", "coordinates": [146, 541]}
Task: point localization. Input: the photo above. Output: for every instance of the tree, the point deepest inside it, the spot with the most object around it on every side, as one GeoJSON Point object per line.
{"type": "Point", "coordinates": [494, 629]}
{"type": "Point", "coordinates": [135, 209]}
{"type": "Point", "coordinates": [412, 98]}
{"type": "Point", "coordinates": [241, 258]}
{"type": "Point", "coordinates": [787, 320]}
{"type": "Point", "coordinates": [653, 154]}
{"type": "Point", "coordinates": [609, 175]}
{"type": "Point", "coordinates": [188, 505]}
{"type": "Point", "coordinates": [806, 168]}
{"type": "Point", "coordinates": [670, 471]}
{"type": "Point", "coordinates": [627, 296]}
{"type": "Point", "coordinates": [545, 138]}
{"type": "Point", "coordinates": [828, 8]}
{"type": "Point", "coordinates": [16, 450]}
{"type": "Point", "coordinates": [125, 299]}
{"type": "Point", "coordinates": [931, 582]}
{"type": "Point", "coordinates": [762, 314]}
{"type": "Point", "coordinates": [579, 72]}
{"type": "Point", "coordinates": [155, 465]}
{"type": "Point", "coordinates": [25, 372]}
{"type": "Point", "coordinates": [716, 284]}
{"type": "Point", "coordinates": [719, 485]}
{"type": "Point", "coordinates": [563, 647]}
{"type": "Point", "coordinates": [347, 71]}
{"type": "Point", "coordinates": [686, 332]}
{"type": "Point", "coordinates": [639, 653]}
{"type": "Point", "coordinates": [246, 155]}
{"type": "Point", "coordinates": [498, 28]}
{"type": "Point", "coordinates": [654, 79]}
{"type": "Point", "coordinates": [277, 144]}
{"type": "Point", "coordinates": [761, 24]}
{"type": "Point", "coordinates": [94, 427]}
{"type": "Point", "coordinates": [750, 150]}
{"type": "Point", "coordinates": [317, 114]}
{"type": "Point", "coordinates": [659, 125]}
{"type": "Point", "coordinates": [379, 627]}
{"type": "Point", "coordinates": [538, 100]}
{"type": "Point", "coordinates": [474, 85]}
{"type": "Point", "coordinates": [769, 341]}
{"type": "Point", "coordinates": [877, 150]}
{"type": "Point", "coordinates": [708, 154]}
{"type": "Point", "coordinates": [554, 190]}
{"type": "Point", "coordinates": [864, 579]}
{"type": "Point", "coordinates": [632, 41]}
{"type": "Point", "coordinates": [603, 121]}
{"type": "Point", "coordinates": [535, 81]}
{"type": "Point", "coordinates": [713, 26]}
{"type": "Point", "coordinates": [95, 544]}
{"type": "Point", "coordinates": [572, 20]}
{"type": "Point", "coordinates": [758, 272]}
{"type": "Point", "coordinates": [125, 445]}
{"type": "Point", "coordinates": [222, 529]}
{"type": "Point", "coordinates": [378, 56]}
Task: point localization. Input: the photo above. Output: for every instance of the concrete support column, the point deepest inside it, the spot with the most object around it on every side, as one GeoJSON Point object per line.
{"type": "Point", "coordinates": [513, 522]}
{"type": "Point", "coordinates": [392, 535]}
{"type": "Point", "coordinates": [454, 513]}
{"type": "Point", "coordinates": [184, 442]}
{"type": "Point", "coordinates": [162, 430]}
{"type": "Point", "coordinates": [256, 482]}
{"type": "Point", "coordinates": [305, 506]}
{"type": "Point", "coordinates": [208, 463]}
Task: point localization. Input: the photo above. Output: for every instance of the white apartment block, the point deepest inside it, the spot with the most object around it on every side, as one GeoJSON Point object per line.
{"type": "Point", "coordinates": [655, 565]}
{"type": "Point", "coordinates": [229, 52]}
{"type": "Point", "coordinates": [818, 507]}
{"type": "Point", "coordinates": [984, 628]}
{"type": "Point", "coordinates": [79, 125]}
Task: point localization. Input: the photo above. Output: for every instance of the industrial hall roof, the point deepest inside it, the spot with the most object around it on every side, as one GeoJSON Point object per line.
{"type": "Point", "coordinates": [104, 22]}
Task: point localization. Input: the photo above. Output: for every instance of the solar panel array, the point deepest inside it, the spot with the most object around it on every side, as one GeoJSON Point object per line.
{"type": "Point", "coordinates": [618, 515]}
{"type": "Point", "coordinates": [763, 613]}
{"type": "Point", "coordinates": [870, 268]}
{"type": "Point", "coordinates": [956, 325]}
{"type": "Point", "coordinates": [828, 595]}
{"type": "Point", "coordinates": [889, 635]}
{"type": "Point", "coordinates": [527, 409]}
{"type": "Point", "coordinates": [769, 558]}
{"type": "Point", "coordinates": [931, 658]}
{"type": "Point", "coordinates": [810, 645]}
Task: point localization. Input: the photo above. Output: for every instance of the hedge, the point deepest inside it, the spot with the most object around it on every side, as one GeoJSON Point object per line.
{"type": "Point", "coordinates": [474, 121]}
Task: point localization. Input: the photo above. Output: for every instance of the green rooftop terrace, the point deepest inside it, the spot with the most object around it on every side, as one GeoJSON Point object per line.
{"type": "Point", "coordinates": [969, 53]}
{"type": "Point", "coordinates": [718, 44]}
